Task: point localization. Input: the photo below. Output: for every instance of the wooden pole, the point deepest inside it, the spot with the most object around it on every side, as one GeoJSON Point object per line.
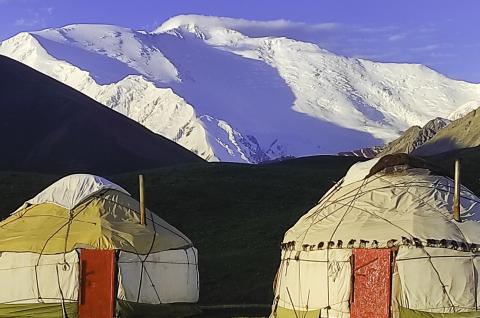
{"type": "Point", "coordinates": [142, 199]}
{"type": "Point", "coordinates": [456, 197]}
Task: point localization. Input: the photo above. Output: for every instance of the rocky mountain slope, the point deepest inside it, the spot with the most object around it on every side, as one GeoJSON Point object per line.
{"type": "Point", "coordinates": [46, 126]}
{"type": "Point", "coordinates": [438, 136]}
{"type": "Point", "coordinates": [415, 137]}
{"type": "Point", "coordinates": [461, 133]}
{"type": "Point", "coordinates": [226, 90]}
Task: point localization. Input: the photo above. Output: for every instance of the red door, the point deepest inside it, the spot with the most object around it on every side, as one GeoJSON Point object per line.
{"type": "Point", "coordinates": [97, 283]}
{"type": "Point", "coordinates": [371, 283]}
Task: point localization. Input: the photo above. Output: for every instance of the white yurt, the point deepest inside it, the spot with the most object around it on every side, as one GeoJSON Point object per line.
{"type": "Point", "coordinates": [383, 243]}
{"type": "Point", "coordinates": [78, 249]}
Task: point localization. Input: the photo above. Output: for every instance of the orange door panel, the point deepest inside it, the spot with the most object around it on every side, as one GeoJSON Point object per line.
{"type": "Point", "coordinates": [371, 283]}
{"type": "Point", "coordinates": [97, 283]}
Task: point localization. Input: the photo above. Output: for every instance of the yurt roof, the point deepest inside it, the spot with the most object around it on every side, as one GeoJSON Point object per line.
{"type": "Point", "coordinates": [73, 189]}
{"type": "Point", "coordinates": [86, 211]}
{"type": "Point", "coordinates": [395, 200]}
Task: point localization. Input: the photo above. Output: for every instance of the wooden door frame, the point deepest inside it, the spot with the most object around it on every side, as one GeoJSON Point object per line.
{"type": "Point", "coordinates": [390, 278]}
{"type": "Point", "coordinates": [81, 279]}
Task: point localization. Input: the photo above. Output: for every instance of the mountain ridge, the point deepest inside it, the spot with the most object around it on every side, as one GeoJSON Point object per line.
{"type": "Point", "coordinates": [76, 134]}
{"type": "Point", "coordinates": [461, 133]}
{"type": "Point", "coordinates": [415, 137]}
{"type": "Point", "coordinates": [235, 95]}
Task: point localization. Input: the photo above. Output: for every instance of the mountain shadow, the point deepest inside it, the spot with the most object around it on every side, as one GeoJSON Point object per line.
{"type": "Point", "coordinates": [46, 126]}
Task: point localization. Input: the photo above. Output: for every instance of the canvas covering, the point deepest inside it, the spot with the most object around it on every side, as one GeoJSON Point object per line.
{"type": "Point", "coordinates": [39, 310]}
{"type": "Point", "coordinates": [151, 286]}
{"type": "Point", "coordinates": [451, 287]}
{"type": "Point", "coordinates": [50, 278]}
{"type": "Point", "coordinates": [410, 204]}
{"type": "Point", "coordinates": [70, 191]}
{"type": "Point", "coordinates": [40, 242]}
{"type": "Point", "coordinates": [406, 209]}
{"type": "Point", "coordinates": [107, 220]}
{"type": "Point", "coordinates": [301, 283]}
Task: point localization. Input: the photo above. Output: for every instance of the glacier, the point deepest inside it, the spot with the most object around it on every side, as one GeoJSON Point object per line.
{"type": "Point", "coordinates": [235, 90]}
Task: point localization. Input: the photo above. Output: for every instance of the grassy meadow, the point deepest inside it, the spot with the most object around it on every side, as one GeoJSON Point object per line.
{"type": "Point", "coordinates": [236, 214]}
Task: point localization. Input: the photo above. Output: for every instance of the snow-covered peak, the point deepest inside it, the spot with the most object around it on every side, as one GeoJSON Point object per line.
{"type": "Point", "coordinates": [205, 23]}
{"type": "Point", "coordinates": [239, 90]}
{"type": "Point", "coordinates": [86, 31]}
{"type": "Point", "coordinates": [116, 49]}
{"type": "Point", "coordinates": [465, 109]}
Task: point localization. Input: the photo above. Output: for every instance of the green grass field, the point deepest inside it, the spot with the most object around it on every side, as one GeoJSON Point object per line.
{"type": "Point", "coordinates": [235, 214]}
{"type": "Point", "coordinates": [470, 158]}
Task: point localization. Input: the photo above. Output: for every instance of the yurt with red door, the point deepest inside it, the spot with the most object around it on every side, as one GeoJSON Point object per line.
{"type": "Point", "coordinates": [383, 243]}
{"type": "Point", "coordinates": [79, 249]}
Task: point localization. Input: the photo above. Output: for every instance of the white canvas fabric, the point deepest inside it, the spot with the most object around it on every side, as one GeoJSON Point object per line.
{"type": "Point", "coordinates": [359, 171]}
{"type": "Point", "coordinates": [110, 222]}
{"type": "Point", "coordinates": [317, 280]}
{"type": "Point", "coordinates": [410, 204]}
{"type": "Point", "coordinates": [33, 278]}
{"type": "Point", "coordinates": [71, 190]}
{"type": "Point", "coordinates": [425, 272]}
{"type": "Point", "coordinates": [168, 277]}
{"type": "Point", "coordinates": [437, 264]}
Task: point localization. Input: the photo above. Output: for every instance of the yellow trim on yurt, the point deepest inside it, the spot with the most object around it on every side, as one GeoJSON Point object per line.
{"type": "Point", "coordinates": [410, 313]}
{"type": "Point", "coordinates": [109, 220]}
{"type": "Point", "coordinates": [289, 313]}
{"type": "Point", "coordinates": [39, 310]}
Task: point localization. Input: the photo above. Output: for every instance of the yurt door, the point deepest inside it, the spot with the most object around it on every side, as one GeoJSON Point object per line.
{"type": "Point", "coordinates": [371, 283]}
{"type": "Point", "coordinates": [97, 283]}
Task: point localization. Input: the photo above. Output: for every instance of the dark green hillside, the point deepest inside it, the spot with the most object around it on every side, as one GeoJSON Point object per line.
{"type": "Point", "coordinates": [470, 165]}
{"type": "Point", "coordinates": [49, 127]}
{"type": "Point", "coordinates": [235, 214]}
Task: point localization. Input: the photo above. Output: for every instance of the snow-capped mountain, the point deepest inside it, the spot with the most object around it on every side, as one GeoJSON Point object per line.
{"type": "Point", "coordinates": [228, 91]}
{"type": "Point", "coordinates": [464, 110]}
{"type": "Point", "coordinates": [49, 127]}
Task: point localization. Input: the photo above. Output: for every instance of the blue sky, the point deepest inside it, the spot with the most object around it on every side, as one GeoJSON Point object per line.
{"type": "Point", "coordinates": [442, 34]}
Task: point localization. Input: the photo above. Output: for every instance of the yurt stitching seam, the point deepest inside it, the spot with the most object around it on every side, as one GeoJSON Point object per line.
{"type": "Point", "coordinates": [188, 266]}
{"type": "Point", "coordinates": [64, 311]}
{"type": "Point", "coordinates": [379, 217]}
{"type": "Point", "coordinates": [291, 301]}
{"type": "Point", "coordinates": [346, 196]}
{"type": "Point", "coordinates": [70, 219]}
{"type": "Point", "coordinates": [416, 184]}
{"type": "Point", "coordinates": [33, 298]}
{"type": "Point", "coordinates": [325, 198]}
{"type": "Point", "coordinates": [349, 209]}
{"type": "Point", "coordinates": [28, 208]}
{"type": "Point", "coordinates": [320, 207]}
{"type": "Point", "coordinates": [148, 219]}
{"type": "Point", "coordinates": [58, 217]}
{"type": "Point", "coordinates": [390, 186]}
{"type": "Point", "coordinates": [43, 248]}
{"type": "Point", "coordinates": [415, 242]}
{"type": "Point", "coordinates": [138, 255]}
{"type": "Point", "coordinates": [475, 279]}
{"type": "Point", "coordinates": [440, 280]}
{"type": "Point", "coordinates": [143, 266]}
{"type": "Point", "coordinates": [435, 209]}
{"type": "Point", "coordinates": [196, 265]}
